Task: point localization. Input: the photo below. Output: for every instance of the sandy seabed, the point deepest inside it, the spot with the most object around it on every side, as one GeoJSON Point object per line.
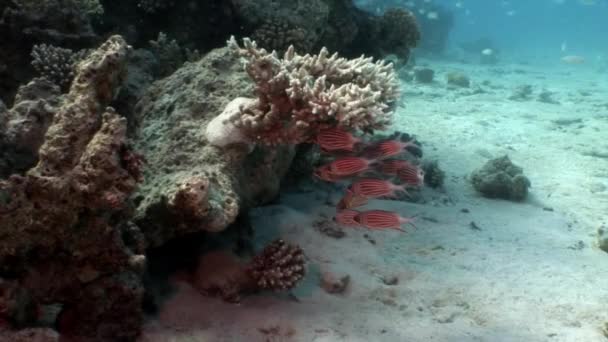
{"type": "Point", "coordinates": [530, 272]}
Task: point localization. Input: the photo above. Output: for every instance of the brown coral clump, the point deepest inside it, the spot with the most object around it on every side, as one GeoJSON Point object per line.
{"type": "Point", "coordinates": [278, 267]}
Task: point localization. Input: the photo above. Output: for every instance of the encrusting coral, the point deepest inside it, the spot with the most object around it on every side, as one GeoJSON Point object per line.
{"type": "Point", "coordinates": [297, 96]}
{"type": "Point", "coordinates": [23, 126]}
{"type": "Point", "coordinates": [62, 238]}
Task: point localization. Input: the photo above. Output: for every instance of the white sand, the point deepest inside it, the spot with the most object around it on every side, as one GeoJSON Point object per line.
{"type": "Point", "coordinates": [528, 275]}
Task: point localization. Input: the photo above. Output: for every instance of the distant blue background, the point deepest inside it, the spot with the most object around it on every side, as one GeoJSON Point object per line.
{"type": "Point", "coordinates": [538, 26]}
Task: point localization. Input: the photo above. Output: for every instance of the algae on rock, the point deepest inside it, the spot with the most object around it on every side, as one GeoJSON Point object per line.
{"type": "Point", "coordinates": [191, 185]}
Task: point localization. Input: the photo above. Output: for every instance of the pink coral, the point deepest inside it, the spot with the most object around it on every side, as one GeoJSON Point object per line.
{"type": "Point", "coordinates": [299, 95]}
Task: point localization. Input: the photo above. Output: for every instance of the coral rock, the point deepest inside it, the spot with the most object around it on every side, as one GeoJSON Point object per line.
{"type": "Point", "coordinates": [500, 178]}
{"type": "Point", "coordinates": [61, 238]}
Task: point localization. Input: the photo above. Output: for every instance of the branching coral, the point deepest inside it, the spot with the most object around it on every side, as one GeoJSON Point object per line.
{"type": "Point", "coordinates": [278, 267]}
{"type": "Point", "coordinates": [299, 95]}
{"type": "Point", "coordinates": [56, 64]}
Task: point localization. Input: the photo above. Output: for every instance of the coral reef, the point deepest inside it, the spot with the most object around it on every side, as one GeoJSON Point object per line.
{"type": "Point", "coordinates": [500, 178]}
{"type": "Point", "coordinates": [62, 238]}
{"type": "Point", "coordinates": [78, 24]}
{"type": "Point", "coordinates": [77, 206]}
{"type": "Point", "coordinates": [300, 95]}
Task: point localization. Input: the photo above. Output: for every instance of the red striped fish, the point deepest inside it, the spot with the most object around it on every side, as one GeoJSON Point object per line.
{"type": "Point", "coordinates": [336, 139]}
{"type": "Point", "coordinates": [412, 175]}
{"type": "Point", "coordinates": [346, 218]}
{"type": "Point", "coordinates": [349, 166]}
{"type": "Point", "coordinates": [382, 219]}
{"type": "Point", "coordinates": [392, 166]}
{"type": "Point", "coordinates": [373, 187]}
{"type": "Point", "coordinates": [351, 200]}
{"type": "Point", "coordinates": [389, 148]}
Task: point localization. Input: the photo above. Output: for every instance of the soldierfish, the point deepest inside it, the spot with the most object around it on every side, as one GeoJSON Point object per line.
{"type": "Point", "coordinates": [373, 187]}
{"type": "Point", "coordinates": [412, 175]}
{"type": "Point", "coordinates": [351, 200]}
{"type": "Point", "coordinates": [336, 139]}
{"type": "Point", "coordinates": [392, 166]}
{"type": "Point", "coordinates": [389, 148]}
{"type": "Point", "coordinates": [349, 166]}
{"type": "Point", "coordinates": [346, 218]}
{"type": "Point", "coordinates": [382, 219]}
{"type": "Point", "coordinates": [404, 170]}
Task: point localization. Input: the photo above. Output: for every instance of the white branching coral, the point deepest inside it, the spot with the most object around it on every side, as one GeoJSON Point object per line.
{"type": "Point", "coordinates": [298, 95]}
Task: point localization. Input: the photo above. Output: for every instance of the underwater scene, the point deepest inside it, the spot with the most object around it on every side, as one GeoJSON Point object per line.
{"type": "Point", "coordinates": [304, 170]}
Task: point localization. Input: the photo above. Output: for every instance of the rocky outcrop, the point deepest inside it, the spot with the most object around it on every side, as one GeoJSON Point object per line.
{"type": "Point", "coordinates": [64, 239]}
{"type": "Point", "coordinates": [190, 185]}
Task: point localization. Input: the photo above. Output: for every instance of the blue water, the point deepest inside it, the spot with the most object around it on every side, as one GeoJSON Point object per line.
{"type": "Point", "coordinates": [532, 28]}
{"type": "Point", "coordinates": [534, 25]}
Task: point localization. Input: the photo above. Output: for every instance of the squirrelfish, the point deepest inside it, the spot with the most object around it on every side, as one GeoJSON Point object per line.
{"type": "Point", "coordinates": [349, 166]}
{"type": "Point", "coordinates": [346, 218]}
{"type": "Point", "coordinates": [382, 219]}
{"type": "Point", "coordinates": [351, 200]}
{"type": "Point", "coordinates": [391, 148]}
{"type": "Point", "coordinates": [336, 139]}
{"type": "Point", "coordinates": [392, 166]}
{"type": "Point", "coordinates": [373, 187]}
{"type": "Point", "coordinates": [412, 175]}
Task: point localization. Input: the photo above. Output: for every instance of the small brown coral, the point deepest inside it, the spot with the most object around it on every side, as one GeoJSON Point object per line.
{"type": "Point", "coordinates": [279, 267]}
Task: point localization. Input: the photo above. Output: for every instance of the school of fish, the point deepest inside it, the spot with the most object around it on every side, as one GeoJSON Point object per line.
{"type": "Point", "coordinates": [370, 167]}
